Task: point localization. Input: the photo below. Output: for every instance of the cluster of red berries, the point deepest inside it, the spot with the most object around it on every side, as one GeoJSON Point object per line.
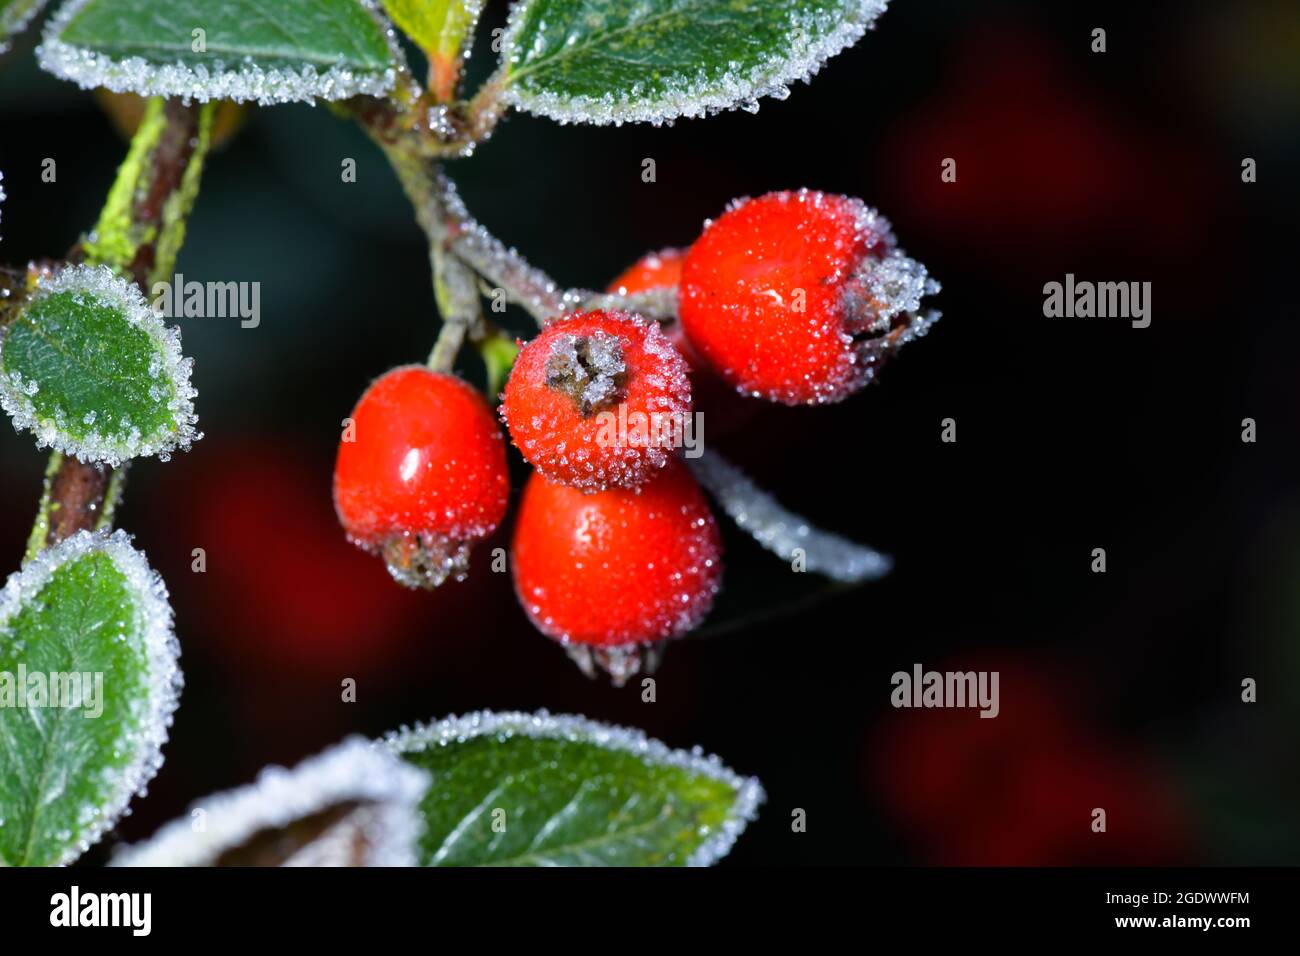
{"type": "Point", "coordinates": [615, 549]}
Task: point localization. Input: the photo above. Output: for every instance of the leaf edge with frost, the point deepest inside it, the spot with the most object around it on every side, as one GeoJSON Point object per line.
{"type": "Point", "coordinates": [576, 728]}
{"type": "Point", "coordinates": [248, 83]}
{"type": "Point", "coordinates": [351, 769]}
{"type": "Point", "coordinates": [116, 291]}
{"type": "Point", "coordinates": [761, 82]}
{"type": "Point", "coordinates": [164, 681]}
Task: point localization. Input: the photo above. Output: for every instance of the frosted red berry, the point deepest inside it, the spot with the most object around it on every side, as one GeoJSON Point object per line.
{"type": "Point", "coordinates": [611, 574]}
{"type": "Point", "coordinates": [784, 295]}
{"type": "Point", "coordinates": [598, 400]}
{"type": "Point", "coordinates": [656, 270]}
{"type": "Point", "coordinates": [421, 474]}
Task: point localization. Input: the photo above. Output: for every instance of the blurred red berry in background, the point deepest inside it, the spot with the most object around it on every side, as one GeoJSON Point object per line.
{"type": "Point", "coordinates": [288, 590]}
{"type": "Point", "coordinates": [1046, 174]}
{"type": "Point", "coordinates": [1020, 789]}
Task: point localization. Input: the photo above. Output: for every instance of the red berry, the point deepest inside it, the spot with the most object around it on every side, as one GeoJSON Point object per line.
{"type": "Point", "coordinates": [659, 270]}
{"type": "Point", "coordinates": [598, 400]}
{"type": "Point", "coordinates": [424, 474]}
{"type": "Point", "coordinates": [778, 294]}
{"type": "Point", "coordinates": [609, 573]}
{"type": "Point", "coordinates": [656, 270]}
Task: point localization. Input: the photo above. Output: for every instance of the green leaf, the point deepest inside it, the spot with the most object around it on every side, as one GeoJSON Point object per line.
{"type": "Point", "coordinates": [14, 16]}
{"type": "Point", "coordinates": [439, 27]}
{"type": "Point", "coordinates": [620, 61]}
{"type": "Point", "coordinates": [289, 50]}
{"type": "Point", "coordinates": [89, 622]}
{"type": "Point", "coordinates": [353, 805]}
{"type": "Point", "coordinates": [93, 372]}
{"type": "Point", "coordinates": [514, 789]}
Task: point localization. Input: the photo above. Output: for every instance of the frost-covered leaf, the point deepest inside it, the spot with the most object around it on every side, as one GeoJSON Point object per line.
{"type": "Point", "coordinates": [353, 805]}
{"type": "Point", "coordinates": [286, 51]}
{"type": "Point", "coordinates": [93, 372]}
{"type": "Point", "coordinates": [439, 27]}
{"type": "Point", "coordinates": [514, 789]}
{"type": "Point", "coordinates": [88, 684]}
{"type": "Point", "coordinates": [621, 61]}
{"type": "Point", "coordinates": [783, 532]}
{"type": "Point", "coordinates": [14, 16]}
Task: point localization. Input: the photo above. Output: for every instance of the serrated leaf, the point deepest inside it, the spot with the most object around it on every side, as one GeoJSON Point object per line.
{"type": "Point", "coordinates": [620, 61]}
{"type": "Point", "coordinates": [291, 50]}
{"type": "Point", "coordinates": [353, 805]}
{"type": "Point", "coordinates": [514, 789]}
{"type": "Point", "coordinates": [14, 16]}
{"type": "Point", "coordinates": [75, 753]}
{"type": "Point", "coordinates": [93, 372]}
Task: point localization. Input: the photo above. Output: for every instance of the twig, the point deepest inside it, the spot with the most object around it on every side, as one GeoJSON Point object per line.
{"type": "Point", "coordinates": [139, 233]}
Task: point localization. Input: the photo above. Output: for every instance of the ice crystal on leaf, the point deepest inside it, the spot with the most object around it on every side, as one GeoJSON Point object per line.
{"type": "Point", "coordinates": [570, 791]}
{"type": "Point", "coordinates": [353, 805]}
{"type": "Point", "coordinates": [628, 61]}
{"type": "Point", "coordinates": [781, 531]}
{"type": "Point", "coordinates": [14, 17]}
{"type": "Point", "coordinates": [92, 371]}
{"type": "Point", "coordinates": [301, 51]}
{"type": "Point", "coordinates": [88, 606]}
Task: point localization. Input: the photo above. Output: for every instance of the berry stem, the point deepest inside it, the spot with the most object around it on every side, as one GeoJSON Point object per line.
{"type": "Point", "coordinates": [456, 292]}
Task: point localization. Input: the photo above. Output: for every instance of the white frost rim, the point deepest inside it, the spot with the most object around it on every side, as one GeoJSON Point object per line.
{"type": "Point", "coordinates": [11, 25]}
{"type": "Point", "coordinates": [781, 531]}
{"type": "Point", "coordinates": [240, 82]}
{"type": "Point", "coordinates": [16, 395]}
{"type": "Point", "coordinates": [351, 770]}
{"type": "Point", "coordinates": [164, 681]}
{"type": "Point", "coordinates": [699, 97]}
{"type": "Point", "coordinates": [458, 729]}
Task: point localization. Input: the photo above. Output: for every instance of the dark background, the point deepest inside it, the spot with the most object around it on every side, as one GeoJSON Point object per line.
{"type": "Point", "coordinates": [1119, 690]}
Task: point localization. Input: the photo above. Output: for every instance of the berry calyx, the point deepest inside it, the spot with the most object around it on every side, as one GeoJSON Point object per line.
{"type": "Point", "coordinates": [611, 575]}
{"type": "Point", "coordinates": [421, 474]}
{"type": "Point", "coordinates": [796, 296]}
{"type": "Point", "coordinates": [598, 400]}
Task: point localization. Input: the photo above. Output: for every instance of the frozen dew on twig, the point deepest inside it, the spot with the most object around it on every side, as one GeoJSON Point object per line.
{"type": "Point", "coordinates": [528, 286]}
{"type": "Point", "coordinates": [575, 729]}
{"type": "Point", "coordinates": [781, 531]}
{"type": "Point", "coordinates": [353, 805]}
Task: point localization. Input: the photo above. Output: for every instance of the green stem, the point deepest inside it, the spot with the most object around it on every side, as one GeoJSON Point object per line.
{"type": "Point", "coordinates": [138, 235]}
{"type": "Point", "coordinates": [456, 292]}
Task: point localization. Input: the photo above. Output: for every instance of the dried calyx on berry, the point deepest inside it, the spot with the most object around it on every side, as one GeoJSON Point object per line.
{"type": "Point", "coordinates": [614, 575]}
{"type": "Point", "coordinates": [589, 369]}
{"type": "Point", "coordinates": [798, 297]}
{"type": "Point", "coordinates": [598, 400]}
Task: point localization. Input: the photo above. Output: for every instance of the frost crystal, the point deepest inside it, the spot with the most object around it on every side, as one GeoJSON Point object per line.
{"type": "Point", "coordinates": [14, 19]}
{"type": "Point", "coordinates": [99, 283]}
{"type": "Point", "coordinates": [386, 820]}
{"type": "Point", "coordinates": [812, 37]}
{"type": "Point", "coordinates": [153, 624]}
{"type": "Point", "coordinates": [783, 532]}
{"type": "Point", "coordinates": [242, 80]}
{"type": "Point", "coordinates": [486, 723]}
